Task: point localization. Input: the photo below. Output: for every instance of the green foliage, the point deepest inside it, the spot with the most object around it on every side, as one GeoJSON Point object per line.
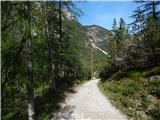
{"type": "Point", "coordinates": [36, 52]}
{"type": "Point", "coordinates": [155, 87]}
{"type": "Point", "coordinates": [80, 39]}
{"type": "Point", "coordinates": [139, 50]}
{"type": "Point", "coordinates": [131, 94]}
{"type": "Point", "coordinates": [47, 102]}
{"type": "Point", "coordinates": [152, 72]}
{"type": "Point", "coordinates": [119, 75]}
{"type": "Point", "coordinates": [155, 113]}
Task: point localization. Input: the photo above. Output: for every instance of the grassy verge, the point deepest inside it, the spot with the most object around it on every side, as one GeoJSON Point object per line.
{"type": "Point", "coordinates": [136, 94]}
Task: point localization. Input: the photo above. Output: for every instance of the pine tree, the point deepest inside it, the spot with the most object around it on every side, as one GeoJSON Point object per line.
{"type": "Point", "coordinates": [139, 23]}
{"type": "Point", "coordinates": [147, 19]}
{"type": "Point", "coordinates": [121, 24]}
{"type": "Point", "coordinates": [35, 50]}
{"type": "Point", "coordinates": [114, 27]}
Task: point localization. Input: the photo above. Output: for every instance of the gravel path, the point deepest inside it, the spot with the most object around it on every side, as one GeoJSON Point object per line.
{"type": "Point", "coordinates": [88, 103]}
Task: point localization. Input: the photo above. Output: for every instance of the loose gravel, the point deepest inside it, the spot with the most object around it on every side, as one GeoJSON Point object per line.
{"type": "Point", "coordinates": [88, 103]}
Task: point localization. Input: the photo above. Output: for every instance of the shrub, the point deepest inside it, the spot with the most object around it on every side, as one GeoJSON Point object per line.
{"type": "Point", "coordinates": [155, 87]}
{"type": "Point", "coordinates": [135, 75]}
{"type": "Point", "coordinates": [119, 75]}
{"type": "Point", "coordinates": [144, 101]}
{"type": "Point", "coordinates": [152, 72]}
{"type": "Point", "coordinates": [155, 113]}
{"type": "Point", "coordinates": [108, 71]}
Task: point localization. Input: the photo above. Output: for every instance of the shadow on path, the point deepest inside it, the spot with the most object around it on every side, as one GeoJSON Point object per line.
{"type": "Point", "coordinates": [64, 113]}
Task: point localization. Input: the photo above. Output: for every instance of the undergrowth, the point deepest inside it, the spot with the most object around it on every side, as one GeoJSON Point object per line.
{"type": "Point", "coordinates": [46, 103]}
{"type": "Point", "coordinates": [134, 93]}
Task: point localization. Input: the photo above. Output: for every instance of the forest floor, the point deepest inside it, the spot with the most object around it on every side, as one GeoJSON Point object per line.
{"type": "Point", "coordinates": [87, 102]}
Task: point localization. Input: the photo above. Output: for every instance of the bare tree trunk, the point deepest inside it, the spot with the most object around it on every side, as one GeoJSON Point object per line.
{"type": "Point", "coordinates": [50, 58]}
{"type": "Point", "coordinates": [31, 107]}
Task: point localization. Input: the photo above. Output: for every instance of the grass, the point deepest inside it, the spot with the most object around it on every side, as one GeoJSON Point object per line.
{"type": "Point", "coordinates": [133, 94]}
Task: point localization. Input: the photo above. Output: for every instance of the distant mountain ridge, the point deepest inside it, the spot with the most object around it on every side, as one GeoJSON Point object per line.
{"type": "Point", "coordinates": [97, 34]}
{"type": "Point", "coordinates": [82, 36]}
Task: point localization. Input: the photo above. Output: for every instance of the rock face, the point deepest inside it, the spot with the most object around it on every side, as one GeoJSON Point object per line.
{"type": "Point", "coordinates": [91, 33]}
{"type": "Point", "coordinates": [97, 34]}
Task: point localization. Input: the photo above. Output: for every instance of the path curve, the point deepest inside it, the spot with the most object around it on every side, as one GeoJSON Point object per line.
{"type": "Point", "coordinates": [88, 103]}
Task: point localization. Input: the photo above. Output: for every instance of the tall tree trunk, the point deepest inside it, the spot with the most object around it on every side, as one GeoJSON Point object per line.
{"type": "Point", "coordinates": [60, 20]}
{"type": "Point", "coordinates": [154, 10]}
{"type": "Point", "coordinates": [50, 58]}
{"type": "Point", "coordinates": [154, 29]}
{"type": "Point", "coordinates": [31, 107]}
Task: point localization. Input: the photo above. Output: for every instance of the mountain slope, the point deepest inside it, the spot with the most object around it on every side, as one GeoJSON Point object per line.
{"type": "Point", "coordinates": [97, 34]}
{"type": "Point", "coordinates": [82, 36]}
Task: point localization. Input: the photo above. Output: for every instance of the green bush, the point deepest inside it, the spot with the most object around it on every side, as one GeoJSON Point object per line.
{"type": "Point", "coordinates": [132, 94]}
{"type": "Point", "coordinates": [157, 92]}
{"type": "Point", "coordinates": [144, 100]}
{"type": "Point", "coordinates": [119, 75]}
{"type": "Point", "coordinates": [134, 75]}
{"type": "Point", "coordinates": [155, 87]}
{"type": "Point", "coordinates": [128, 91]}
{"type": "Point", "coordinates": [108, 71]}
{"type": "Point", "coordinates": [155, 113]}
{"type": "Point", "coordinates": [152, 72]}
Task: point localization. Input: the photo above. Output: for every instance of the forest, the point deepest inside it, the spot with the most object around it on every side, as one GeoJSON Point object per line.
{"type": "Point", "coordinates": [38, 56]}
{"type": "Point", "coordinates": [131, 77]}
{"type": "Point", "coordinates": [135, 46]}
{"type": "Point", "coordinates": [41, 60]}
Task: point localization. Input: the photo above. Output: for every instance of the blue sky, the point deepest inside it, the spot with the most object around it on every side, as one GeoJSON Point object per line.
{"type": "Point", "coordinates": [102, 12]}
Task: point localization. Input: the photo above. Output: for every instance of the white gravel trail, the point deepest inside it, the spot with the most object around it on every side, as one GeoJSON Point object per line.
{"type": "Point", "coordinates": [88, 103]}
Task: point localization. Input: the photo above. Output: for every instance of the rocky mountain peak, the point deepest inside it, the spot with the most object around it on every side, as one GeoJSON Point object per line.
{"type": "Point", "coordinates": [97, 34]}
